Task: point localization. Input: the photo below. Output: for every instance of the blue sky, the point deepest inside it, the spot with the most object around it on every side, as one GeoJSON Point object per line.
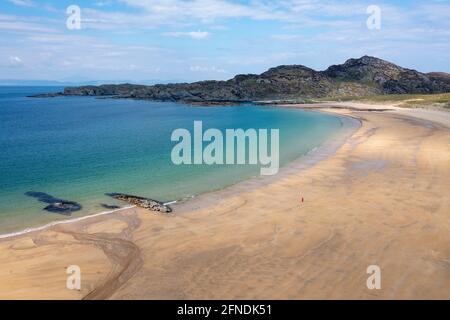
{"type": "Point", "coordinates": [191, 40]}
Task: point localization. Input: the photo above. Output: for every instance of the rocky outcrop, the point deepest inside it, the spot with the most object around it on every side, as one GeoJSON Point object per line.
{"type": "Point", "coordinates": [366, 69]}
{"type": "Point", "coordinates": [356, 77]}
{"type": "Point", "coordinates": [55, 205]}
{"type": "Point", "coordinates": [145, 203]}
{"type": "Point", "coordinates": [390, 78]}
{"type": "Point", "coordinates": [439, 75]}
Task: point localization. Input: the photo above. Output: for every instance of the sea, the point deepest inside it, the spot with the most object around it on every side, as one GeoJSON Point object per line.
{"type": "Point", "coordinates": [81, 148]}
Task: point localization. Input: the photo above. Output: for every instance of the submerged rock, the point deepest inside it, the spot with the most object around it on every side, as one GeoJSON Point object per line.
{"type": "Point", "coordinates": [145, 203]}
{"type": "Point", "coordinates": [63, 207]}
{"type": "Point", "coordinates": [109, 206]}
{"type": "Point", "coordinates": [55, 205]}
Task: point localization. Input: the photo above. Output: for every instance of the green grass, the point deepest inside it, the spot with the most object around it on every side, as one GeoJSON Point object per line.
{"type": "Point", "coordinates": [402, 100]}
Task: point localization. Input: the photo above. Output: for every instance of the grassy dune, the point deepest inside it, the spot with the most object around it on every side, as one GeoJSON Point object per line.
{"type": "Point", "coordinates": [403, 100]}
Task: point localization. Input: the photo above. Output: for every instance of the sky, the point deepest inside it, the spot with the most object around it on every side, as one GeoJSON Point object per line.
{"type": "Point", "coordinates": [190, 40]}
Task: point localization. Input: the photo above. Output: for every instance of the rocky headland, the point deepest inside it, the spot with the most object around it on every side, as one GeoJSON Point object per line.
{"type": "Point", "coordinates": [355, 78]}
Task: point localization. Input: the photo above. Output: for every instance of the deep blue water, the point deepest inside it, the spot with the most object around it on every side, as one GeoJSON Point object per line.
{"type": "Point", "coordinates": [79, 148]}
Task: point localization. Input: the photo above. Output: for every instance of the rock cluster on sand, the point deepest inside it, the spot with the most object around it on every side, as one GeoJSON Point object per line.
{"type": "Point", "coordinates": [145, 203]}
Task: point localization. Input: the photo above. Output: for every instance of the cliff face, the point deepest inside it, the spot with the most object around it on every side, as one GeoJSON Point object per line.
{"type": "Point", "coordinates": [356, 77]}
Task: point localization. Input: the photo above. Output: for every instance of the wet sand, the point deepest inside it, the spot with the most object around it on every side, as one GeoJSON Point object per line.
{"type": "Point", "coordinates": [381, 198]}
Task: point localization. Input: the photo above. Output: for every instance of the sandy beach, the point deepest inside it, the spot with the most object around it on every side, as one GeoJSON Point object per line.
{"type": "Point", "coordinates": [381, 198]}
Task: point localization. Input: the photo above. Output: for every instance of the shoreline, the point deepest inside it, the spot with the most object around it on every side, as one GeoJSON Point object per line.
{"type": "Point", "coordinates": [380, 198]}
{"type": "Point", "coordinates": [60, 222]}
{"type": "Point", "coordinates": [308, 159]}
{"type": "Point", "coordinates": [349, 126]}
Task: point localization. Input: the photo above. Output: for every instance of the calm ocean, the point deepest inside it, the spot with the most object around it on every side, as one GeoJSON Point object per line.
{"type": "Point", "coordinates": [79, 148]}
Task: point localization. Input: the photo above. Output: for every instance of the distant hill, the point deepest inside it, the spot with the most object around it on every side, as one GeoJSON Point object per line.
{"type": "Point", "coordinates": [55, 83]}
{"type": "Point", "coordinates": [356, 77]}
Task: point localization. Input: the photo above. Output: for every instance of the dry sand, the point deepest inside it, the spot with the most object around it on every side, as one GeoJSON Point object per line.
{"type": "Point", "coordinates": [381, 199]}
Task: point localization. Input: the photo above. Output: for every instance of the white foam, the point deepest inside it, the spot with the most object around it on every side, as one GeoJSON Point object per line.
{"type": "Point", "coordinates": [170, 202]}
{"type": "Point", "coordinates": [54, 223]}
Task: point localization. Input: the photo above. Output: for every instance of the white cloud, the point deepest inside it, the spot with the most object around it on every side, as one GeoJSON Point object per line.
{"type": "Point", "coordinates": [15, 61]}
{"type": "Point", "coordinates": [22, 3]}
{"type": "Point", "coordinates": [207, 69]}
{"type": "Point", "coordinates": [315, 33]}
{"type": "Point", "coordinates": [287, 37]}
{"type": "Point", "coordinates": [23, 24]}
{"type": "Point", "coordinates": [206, 10]}
{"type": "Point", "coordinates": [156, 13]}
{"type": "Point", "coordinates": [102, 3]}
{"type": "Point", "coordinates": [198, 35]}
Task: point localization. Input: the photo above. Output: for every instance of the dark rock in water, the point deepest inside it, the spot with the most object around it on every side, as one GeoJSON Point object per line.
{"type": "Point", "coordinates": [110, 206]}
{"type": "Point", "coordinates": [56, 205]}
{"type": "Point", "coordinates": [41, 196]}
{"type": "Point", "coordinates": [64, 207]}
{"type": "Point", "coordinates": [145, 203]}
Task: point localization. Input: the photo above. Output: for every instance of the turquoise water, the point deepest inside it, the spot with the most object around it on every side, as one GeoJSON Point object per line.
{"type": "Point", "coordinates": [79, 148]}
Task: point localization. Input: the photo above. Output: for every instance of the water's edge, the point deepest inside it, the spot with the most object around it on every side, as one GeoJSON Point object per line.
{"type": "Point", "coordinates": [328, 148]}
